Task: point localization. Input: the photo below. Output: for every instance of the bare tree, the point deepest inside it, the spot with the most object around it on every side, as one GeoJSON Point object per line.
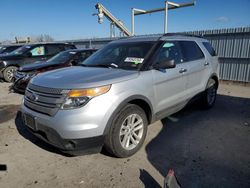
{"type": "Point", "coordinates": [43, 38]}
{"type": "Point", "coordinates": [48, 38]}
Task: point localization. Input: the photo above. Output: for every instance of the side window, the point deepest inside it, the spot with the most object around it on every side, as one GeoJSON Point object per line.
{"type": "Point", "coordinates": [68, 47]}
{"type": "Point", "coordinates": [85, 55]}
{"type": "Point", "coordinates": [38, 51]}
{"type": "Point", "coordinates": [190, 51]}
{"type": "Point", "coordinates": [53, 49]}
{"type": "Point", "coordinates": [169, 51]}
{"type": "Point", "coordinates": [209, 48]}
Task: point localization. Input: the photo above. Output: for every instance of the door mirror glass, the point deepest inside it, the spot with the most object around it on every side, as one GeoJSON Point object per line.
{"type": "Point", "coordinates": [165, 64]}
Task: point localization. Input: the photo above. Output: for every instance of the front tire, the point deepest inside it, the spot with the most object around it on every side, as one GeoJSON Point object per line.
{"type": "Point", "coordinates": [127, 132]}
{"type": "Point", "coordinates": [210, 94]}
{"type": "Point", "coordinates": [8, 73]}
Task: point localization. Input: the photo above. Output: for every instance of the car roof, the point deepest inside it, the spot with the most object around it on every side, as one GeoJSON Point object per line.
{"type": "Point", "coordinates": [46, 43]}
{"type": "Point", "coordinates": [168, 36]}
{"type": "Point", "coordinates": [137, 39]}
{"type": "Point", "coordinates": [182, 37]}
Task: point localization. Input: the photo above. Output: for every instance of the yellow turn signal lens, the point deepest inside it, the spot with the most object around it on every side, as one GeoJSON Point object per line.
{"type": "Point", "coordinates": [91, 92]}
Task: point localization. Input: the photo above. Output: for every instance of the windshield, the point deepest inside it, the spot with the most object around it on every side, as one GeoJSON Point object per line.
{"type": "Point", "coordinates": [2, 48]}
{"type": "Point", "coordinates": [61, 57]}
{"type": "Point", "coordinates": [21, 50]}
{"type": "Point", "coordinates": [120, 55]}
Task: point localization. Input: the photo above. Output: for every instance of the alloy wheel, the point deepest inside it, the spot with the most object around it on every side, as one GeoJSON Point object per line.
{"type": "Point", "coordinates": [131, 131]}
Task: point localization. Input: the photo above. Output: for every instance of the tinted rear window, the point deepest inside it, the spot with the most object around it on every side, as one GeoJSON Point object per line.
{"type": "Point", "coordinates": [209, 48]}
{"type": "Point", "coordinates": [54, 49]}
{"type": "Point", "coordinates": [69, 47]}
{"type": "Point", "coordinates": [190, 51]}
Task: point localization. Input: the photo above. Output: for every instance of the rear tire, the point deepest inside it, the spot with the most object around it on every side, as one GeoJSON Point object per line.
{"type": "Point", "coordinates": [127, 132]}
{"type": "Point", "coordinates": [8, 73]}
{"type": "Point", "coordinates": [210, 94]}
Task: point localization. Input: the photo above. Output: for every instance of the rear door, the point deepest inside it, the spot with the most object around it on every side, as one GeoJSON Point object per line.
{"type": "Point", "coordinates": [169, 84]}
{"type": "Point", "coordinates": [198, 71]}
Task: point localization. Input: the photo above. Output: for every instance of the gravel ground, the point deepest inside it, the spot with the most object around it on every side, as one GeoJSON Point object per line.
{"type": "Point", "coordinates": [205, 149]}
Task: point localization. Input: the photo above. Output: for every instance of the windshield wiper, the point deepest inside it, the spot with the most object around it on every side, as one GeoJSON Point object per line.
{"type": "Point", "coordinates": [82, 65]}
{"type": "Point", "coordinates": [112, 65]}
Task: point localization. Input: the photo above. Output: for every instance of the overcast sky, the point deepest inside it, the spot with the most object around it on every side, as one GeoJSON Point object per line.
{"type": "Point", "coordinates": [72, 19]}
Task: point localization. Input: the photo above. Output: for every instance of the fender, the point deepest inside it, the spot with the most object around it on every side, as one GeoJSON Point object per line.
{"type": "Point", "coordinates": [123, 104]}
{"type": "Point", "coordinates": [214, 76]}
{"type": "Point", "coordinates": [7, 64]}
{"type": "Point", "coordinates": [15, 63]}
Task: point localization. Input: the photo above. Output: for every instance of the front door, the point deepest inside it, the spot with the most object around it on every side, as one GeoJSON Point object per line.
{"type": "Point", "coordinates": [169, 84]}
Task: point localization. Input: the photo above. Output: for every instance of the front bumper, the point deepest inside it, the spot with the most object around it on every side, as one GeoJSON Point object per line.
{"type": "Point", "coordinates": [69, 146]}
{"type": "Point", "coordinates": [20, 85]}
{"type": "Point", "coordinates": [73, 146]}
{"type": "Point", "coordinates": [73, 130]}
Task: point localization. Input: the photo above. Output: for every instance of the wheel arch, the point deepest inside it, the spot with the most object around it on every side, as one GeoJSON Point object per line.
{"type": "Point", "coordinates": [139, 100]}
{"type": "Point", "coordinates": [214, 76]}
{"type": "Point", "coordinates": [3, 71]}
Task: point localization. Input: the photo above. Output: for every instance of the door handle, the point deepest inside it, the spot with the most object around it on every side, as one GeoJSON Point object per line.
{"type": "Point", "coordinates": [206, 64]}
{"type": "Point", "coordinates": [182, 70]}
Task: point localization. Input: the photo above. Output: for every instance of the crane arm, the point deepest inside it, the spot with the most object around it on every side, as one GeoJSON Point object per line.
{"type": "Point", "coordinates": [103, 11]}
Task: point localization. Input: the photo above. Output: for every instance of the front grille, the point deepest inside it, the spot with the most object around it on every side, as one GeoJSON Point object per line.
{"type": "Point", "coordinates": [45, 89]}
{"type": "Point", "coordinates": [43, 100]}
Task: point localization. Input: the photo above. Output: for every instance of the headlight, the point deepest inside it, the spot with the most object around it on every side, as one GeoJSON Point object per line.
{"type": "Point", "coordinates": [78, 98]}
{"type": "Point", "coordinates": [30, 75]}
{"type": "Point", "coordinates": [3, 64]}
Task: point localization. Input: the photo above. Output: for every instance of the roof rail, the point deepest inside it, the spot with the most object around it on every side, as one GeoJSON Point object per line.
{"type": "Point", "coordinates": [182, 34]}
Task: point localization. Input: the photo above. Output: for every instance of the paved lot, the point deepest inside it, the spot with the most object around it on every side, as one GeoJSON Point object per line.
{"type": "Point", "coordinates": [205, 148]}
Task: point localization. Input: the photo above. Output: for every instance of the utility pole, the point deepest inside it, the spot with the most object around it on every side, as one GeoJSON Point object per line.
{"type": "Point", "coordinates": [114, 22]}
{"type": "Point", "coordinates": [168, 6]}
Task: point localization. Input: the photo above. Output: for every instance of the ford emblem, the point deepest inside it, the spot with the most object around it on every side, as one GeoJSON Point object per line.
{"type": "Point", "coordinates": [32, 96]}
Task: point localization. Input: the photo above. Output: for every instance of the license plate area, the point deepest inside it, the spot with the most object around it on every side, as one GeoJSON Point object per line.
{"type": "Point", "coordinates": [30, 121]}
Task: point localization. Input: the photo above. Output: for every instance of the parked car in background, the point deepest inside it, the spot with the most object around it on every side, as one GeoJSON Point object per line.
{"type": "Point", "coordinates": [6, 49]}
{"type": "Point", "coordinates": [110, 100]}
{"type": "Point", "coordinates": [63, 59]}
{"type": "Point", "coordinates": [29, 54]}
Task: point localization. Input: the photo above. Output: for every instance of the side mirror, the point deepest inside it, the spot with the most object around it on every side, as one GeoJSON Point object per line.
{"type": "Point", "coordinates": [29, 54]}
{"type": "Point", "coordinates": [166, 64]}
{"type": "Point", "coordinates": [74, 62]}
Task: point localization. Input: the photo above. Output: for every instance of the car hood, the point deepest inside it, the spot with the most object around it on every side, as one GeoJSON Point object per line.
{"type": "Point", "coordinates": [34, 66]}
{"type": "Point", "coordinates": [82, 77]}
{"type": "Point", "coordinates": [6, 57]}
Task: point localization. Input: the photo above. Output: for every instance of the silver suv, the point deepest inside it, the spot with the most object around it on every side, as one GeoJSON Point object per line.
{"type": "Point", "coordinates": [111, 97]}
